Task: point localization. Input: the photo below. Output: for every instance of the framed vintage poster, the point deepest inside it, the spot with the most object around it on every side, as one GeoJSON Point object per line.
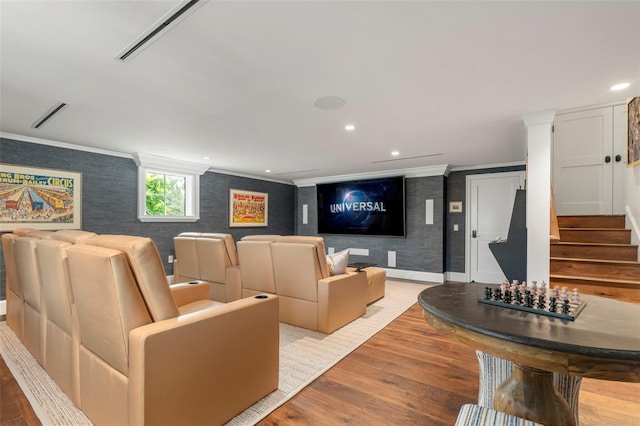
{"type": "Point", "coordinates": [248, 208]}
{"type": "Point", "coordinates": [39, 198]}
{"type": "Point", "coordinates": [633, 129]}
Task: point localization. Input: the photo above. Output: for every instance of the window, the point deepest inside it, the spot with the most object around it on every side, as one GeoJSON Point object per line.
{"type": "Point", "coordinates": [168, 190]}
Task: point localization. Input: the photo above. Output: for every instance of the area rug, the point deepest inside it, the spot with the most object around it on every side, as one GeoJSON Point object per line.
{"type": "Point", "coordinates": [304, 356]}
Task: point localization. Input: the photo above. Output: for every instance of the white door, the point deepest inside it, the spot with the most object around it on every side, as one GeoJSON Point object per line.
{"type": "Point", "coordinates": [490, 199]}
{"type": "Point", "coordinates": [586, 161]}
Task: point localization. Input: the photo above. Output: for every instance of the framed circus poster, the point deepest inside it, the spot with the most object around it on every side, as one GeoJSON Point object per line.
{"type": "Point", "coordinates": [248, 208]}
{"type": "Point", "coordinates": [39, 198]}
{"type": "Point", "coordinates": [633, 129]}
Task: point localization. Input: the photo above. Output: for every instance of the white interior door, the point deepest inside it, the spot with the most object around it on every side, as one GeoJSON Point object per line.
{"type": "Point", "coordinates": [583, 161]}
{"type": "Point", "coordinates": [490, 199]}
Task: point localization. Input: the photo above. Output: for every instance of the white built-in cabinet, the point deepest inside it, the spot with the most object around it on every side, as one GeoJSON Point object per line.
{"type": "Point", "coordinates": [589, 158]}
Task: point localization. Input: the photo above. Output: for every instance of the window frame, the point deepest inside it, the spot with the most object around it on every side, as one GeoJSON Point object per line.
{"type": "Point", "coordinates": [166, 166]}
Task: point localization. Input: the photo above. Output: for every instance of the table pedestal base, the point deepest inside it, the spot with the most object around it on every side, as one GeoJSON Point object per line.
{"type": "Point", "coordinates": [529, 393]}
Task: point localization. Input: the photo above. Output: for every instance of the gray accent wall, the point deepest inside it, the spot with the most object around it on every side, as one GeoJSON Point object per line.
{"type": "Point", "coordinates": [109, 206]}
{"type": "Point", "coordinates": [109, 197]}
{"type": "Point", "coordinates": [421, 250]}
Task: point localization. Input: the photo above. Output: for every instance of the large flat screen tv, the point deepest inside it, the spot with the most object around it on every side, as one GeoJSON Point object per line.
{"type": "Point", "coordinates": [364, 207]}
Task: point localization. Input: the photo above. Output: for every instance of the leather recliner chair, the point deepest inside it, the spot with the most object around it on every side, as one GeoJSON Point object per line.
{"type": "Point", "coordinates": [33, 317]}
{"type": "Point", "coordinates": [13, 288]}
{"type": "Point", "coordinates": [61, 339]}
{"type": "Point", "coordinates": [144, 360]}
{"type": "Point", "coordinates": [209, 257]}
{"type": "Point", "coordinates": [256, 267]}
{"type": "Point", "coordinates": [310, 297]}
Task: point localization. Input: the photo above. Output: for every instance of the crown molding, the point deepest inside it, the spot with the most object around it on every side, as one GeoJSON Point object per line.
{"type": "Point", "coordinates": [65, 145]}
{"type": "Point", "coordinates": [438, 170]}
{"type": "Point", "coordinates": [488, 166]}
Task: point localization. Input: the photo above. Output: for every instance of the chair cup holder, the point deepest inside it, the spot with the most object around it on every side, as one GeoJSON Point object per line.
{"type": "Point", "coordinates": [261, 296]}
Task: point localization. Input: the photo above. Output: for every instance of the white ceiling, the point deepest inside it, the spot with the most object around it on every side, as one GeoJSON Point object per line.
{"type": "Point", "coordinates": [235, 81]}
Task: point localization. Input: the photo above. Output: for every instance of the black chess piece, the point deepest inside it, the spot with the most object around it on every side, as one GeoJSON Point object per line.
{"type": "Point", "coordinates": [565, 306]}
{"type": "Point", "coordinates": [517, 297]}
{"type": "Point", "coordinates": [497, 295]}
{"type": "Point", "coordinates": [488, 293]}
{"type": "Point", "coordinates": [528, 299]}
{"type": "Point", "coordinates": [540, 304]}
{"type": "Point", "coordinates": [552, 304]}
{"type": "Point", "coordinates": [508, 296]}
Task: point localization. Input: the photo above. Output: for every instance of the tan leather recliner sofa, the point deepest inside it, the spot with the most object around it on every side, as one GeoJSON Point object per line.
{"type": "Point", "coordinates": [127, 347]}
{"type": "Point", "coordinates": [310, 297]}
{"type": "Point", "coordinates": [209, 257]}
{"type": "Point", "coordinates": [146, 360]}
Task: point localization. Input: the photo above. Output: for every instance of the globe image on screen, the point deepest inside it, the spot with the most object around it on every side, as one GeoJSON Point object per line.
{"type": "Point", "coordinates": [356, 217]}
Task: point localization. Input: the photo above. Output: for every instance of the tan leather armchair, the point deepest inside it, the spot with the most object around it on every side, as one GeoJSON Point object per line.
{"type": "Point", "coordinates": [61, 338]}
{"type": "Point", "coordinates": [309, 296]}
{"type": "Point", "coordinates": [33, 317]}
{"type": "Point", "coordinates": [141, 362]}
{"type": "Point", "coordinates": [209, 257]}
{"type": "Point", "coordinates": [256, 267]}
{"type": "Point", "coordinates": [13, 288]}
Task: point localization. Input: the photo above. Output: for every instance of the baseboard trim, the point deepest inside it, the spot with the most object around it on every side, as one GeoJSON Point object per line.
{"type": "Point", "coordinates": [456, 276]}
{"type": "Point", "coordinates": [415, 275]}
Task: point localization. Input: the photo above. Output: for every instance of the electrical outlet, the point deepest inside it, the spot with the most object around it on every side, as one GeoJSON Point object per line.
{"type": "Point", "coordinates": [170, 259]}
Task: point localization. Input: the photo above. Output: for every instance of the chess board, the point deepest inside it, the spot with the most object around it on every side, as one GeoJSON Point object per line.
{"type": "Point", "coordinates": [549, 303]}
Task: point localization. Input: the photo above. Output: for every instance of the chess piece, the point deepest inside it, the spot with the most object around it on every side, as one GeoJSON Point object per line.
{"type": "Point", "coordinates": [497, 294]}
{"type": "Point", "coordinates": [541, 302]}
{"type": "Point", "coordinates": [575, 297]}
{"type": "Point", "coordinates": [528, 299]}
{"type": "Point", "coordinates": [552, 304]}
{"type": "Point", "coordinates": [517, 296]}
{"type": "Point", "coordinates": [565, 306]}
{"type": "Point", "coordinates": [488, 293]}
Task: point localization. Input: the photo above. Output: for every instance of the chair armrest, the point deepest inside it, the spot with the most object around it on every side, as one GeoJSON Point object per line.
{"type": "Point", "coordinates": [184, 293]}
{"type": "Point", "coordinates": [204, 367]}
{"type": "Point", "coordinates": [233, 283]}
{"type": "Point", "coordinates": [341, 299]}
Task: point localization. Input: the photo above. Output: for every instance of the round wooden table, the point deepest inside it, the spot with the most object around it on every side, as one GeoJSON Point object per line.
{"type": "Point", "coordinates": [602, 343]}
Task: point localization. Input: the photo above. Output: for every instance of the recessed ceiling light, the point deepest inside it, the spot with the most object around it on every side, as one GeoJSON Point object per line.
{"type": "Point", "coordinates": [205, 158]}
{"type": "Point", "coordinates": [268, 171]}
{"type": "Point", "coordinates": [349, 127]}
{"type": "Point", "coordinates": [620, 86]}
{"type": "Point", "coordinates": [395, 153]}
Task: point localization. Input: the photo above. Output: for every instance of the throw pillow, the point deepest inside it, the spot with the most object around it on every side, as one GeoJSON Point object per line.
{"type": "Point", "coordinates": [337, 262]}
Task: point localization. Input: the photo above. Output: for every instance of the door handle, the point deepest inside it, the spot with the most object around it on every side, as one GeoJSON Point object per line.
{"type": "Point", "coordinates": [473, 234]}
{"type": "Point", "coordinates": [618, 158]}
{"type": "Point", "coordinates": [607, 159]}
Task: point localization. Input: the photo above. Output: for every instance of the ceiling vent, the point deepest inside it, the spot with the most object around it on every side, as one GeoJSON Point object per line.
{"type": "Point", "coordinates": [163, 24]}
{"type": "Point", "coordinates": [406, 158]}
{"type": "Point", "coordinates": [48, 115]}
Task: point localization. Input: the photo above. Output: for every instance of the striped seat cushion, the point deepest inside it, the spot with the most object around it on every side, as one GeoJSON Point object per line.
{"type": "Point", "coordinates": [494, 371]}
{"type": "Point", "coordinates": [476, 415]}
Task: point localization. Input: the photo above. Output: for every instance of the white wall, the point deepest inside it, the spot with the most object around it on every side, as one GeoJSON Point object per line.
{"type": "Point", "coordinates": [632, 204]}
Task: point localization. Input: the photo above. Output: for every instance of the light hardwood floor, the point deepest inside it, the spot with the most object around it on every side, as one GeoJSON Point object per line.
{"type": "Point", "coordinates": [408, 374]}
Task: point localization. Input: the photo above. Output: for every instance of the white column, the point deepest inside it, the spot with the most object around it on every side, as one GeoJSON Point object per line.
{"type": "Point", "coordinates": [538, 193]}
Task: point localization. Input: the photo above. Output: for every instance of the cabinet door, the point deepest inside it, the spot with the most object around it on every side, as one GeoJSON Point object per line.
{"type": "Point", "coordinates": [582, 176]}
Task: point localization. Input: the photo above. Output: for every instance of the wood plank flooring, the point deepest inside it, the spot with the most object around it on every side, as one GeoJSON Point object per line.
{"type": "Point", "coordinates": [408, 374]}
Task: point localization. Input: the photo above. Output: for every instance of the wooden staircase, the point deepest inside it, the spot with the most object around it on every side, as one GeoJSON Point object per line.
{"type": "Point", "coordinates": [595, 256]}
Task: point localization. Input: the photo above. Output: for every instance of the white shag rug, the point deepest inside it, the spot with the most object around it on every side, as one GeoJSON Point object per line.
{"type": "Point", "coordinates": [304, 356]}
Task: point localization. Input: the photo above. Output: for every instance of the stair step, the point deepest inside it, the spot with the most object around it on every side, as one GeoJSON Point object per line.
{"type": "Point", "coordinates": [596, 268]}
{"type": "Point", "coordinates": [627, 291]}
{"type": "Point", "coordinates": [592, 221]}
{"type": "Point", "coordinates": [595, 235]}
{"type": "Point", "coordinates": [594, 251]}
